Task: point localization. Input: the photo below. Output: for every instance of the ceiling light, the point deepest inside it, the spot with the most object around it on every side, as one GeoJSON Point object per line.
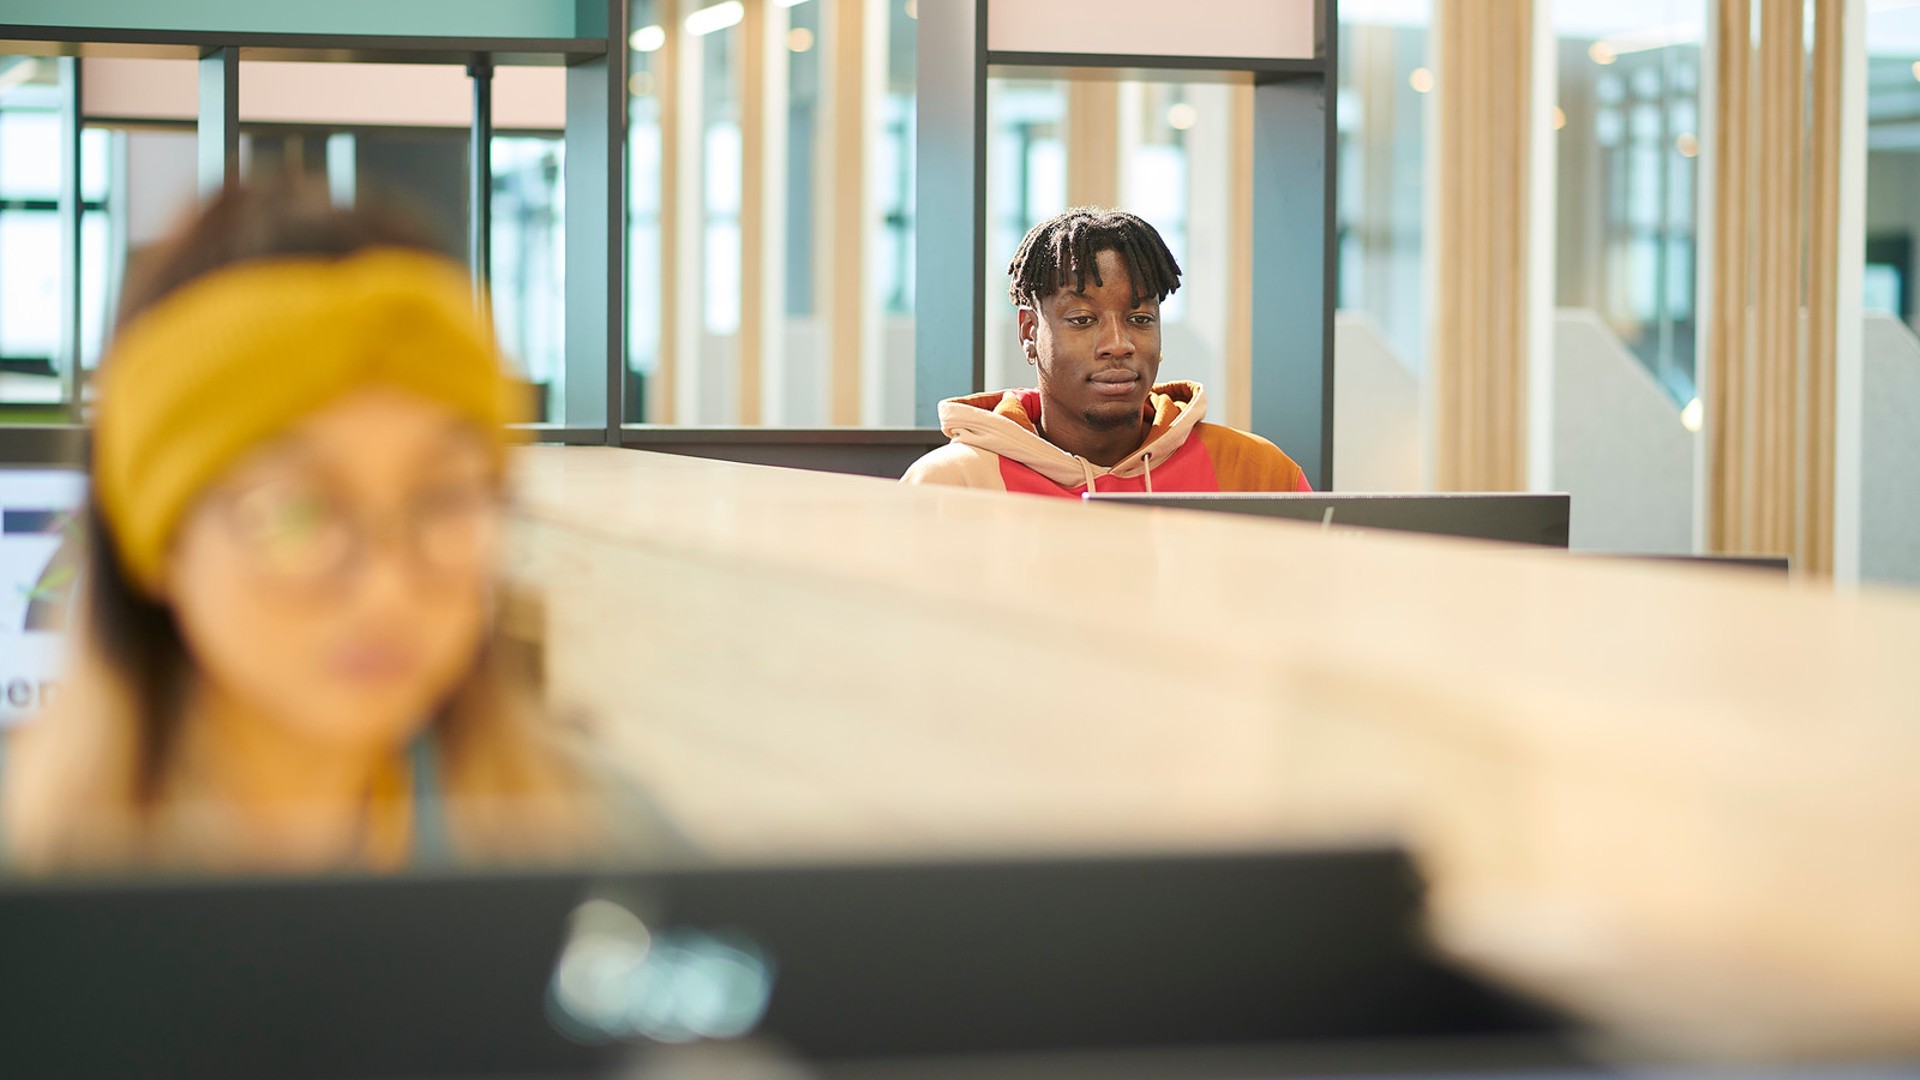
{"type": "Point", "coordinates": [718, 17]}
{"type": "Point", "coordinates": [648, 39]}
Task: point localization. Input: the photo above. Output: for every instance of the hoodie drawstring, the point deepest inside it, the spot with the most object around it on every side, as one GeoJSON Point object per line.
{"type": "Point", "coordinates": [1092, 477]}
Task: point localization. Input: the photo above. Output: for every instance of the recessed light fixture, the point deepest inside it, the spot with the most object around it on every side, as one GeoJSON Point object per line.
{"type": "Point", "coordinates": [648, 39]}
{"type": "Point", "coordinates": [718, 17]}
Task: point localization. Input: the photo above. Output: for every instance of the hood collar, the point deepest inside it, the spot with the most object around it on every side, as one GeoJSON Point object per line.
{"type": "Point", "coordinates": [1006, 422]}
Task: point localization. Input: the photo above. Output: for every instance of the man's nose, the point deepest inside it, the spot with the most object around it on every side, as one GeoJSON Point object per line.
{"type": "Point", "coordinates": [1116, 338]}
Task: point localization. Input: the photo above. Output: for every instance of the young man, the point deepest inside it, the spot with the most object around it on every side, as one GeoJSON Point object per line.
{"type": "Point", "coordinates": [1088, 285]}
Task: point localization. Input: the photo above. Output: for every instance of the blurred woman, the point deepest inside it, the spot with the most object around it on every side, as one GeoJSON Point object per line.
{"type": "Point", "coordinates": [286, 654]}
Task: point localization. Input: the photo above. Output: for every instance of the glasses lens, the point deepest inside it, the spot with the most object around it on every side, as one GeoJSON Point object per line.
{"type": "Point", "coordinates": [455, 528]}
{"type": "Point", "coordinates": [291, 529]}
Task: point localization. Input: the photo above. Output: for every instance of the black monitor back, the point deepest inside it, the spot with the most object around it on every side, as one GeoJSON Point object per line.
{"type": "Point", "coordinates": [1513, 517]}
{"type": "Point", "coordinates": [449, 976]}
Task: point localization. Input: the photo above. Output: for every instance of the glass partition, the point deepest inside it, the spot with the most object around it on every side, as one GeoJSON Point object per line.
{"type": "Point", "coordinates": [1163, 149]}
{"type": "Point", "coordinates": [35, 286]}
{"type": "Point", "coordinates": [1629, 147]}
{"type": "Point", "coordinates": [771, 213]}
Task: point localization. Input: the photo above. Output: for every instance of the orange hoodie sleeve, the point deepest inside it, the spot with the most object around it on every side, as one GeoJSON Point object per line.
{"type": "Point", "coordinates": [1243, 461]}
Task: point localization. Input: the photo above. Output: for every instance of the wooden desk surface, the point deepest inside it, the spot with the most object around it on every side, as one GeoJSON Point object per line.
{"type": "Point", "coordinates": [1682, 798]}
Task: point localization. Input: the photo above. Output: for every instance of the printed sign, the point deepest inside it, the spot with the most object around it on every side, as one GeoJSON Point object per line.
{"type": "Point", "coordinates": [39, 567]}
{"type": "Point", "coordinates": [1237, 29]}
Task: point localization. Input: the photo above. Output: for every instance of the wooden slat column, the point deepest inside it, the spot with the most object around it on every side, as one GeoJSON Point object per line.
{"type": "Point", "coordinates": [1480, 338]}
{"type": "Point", "coordinates": [1093, 142]}
{"type": "Point", "coordinates": [852, 321]}
{"type": "Point", "coordinates": [1771, 350]}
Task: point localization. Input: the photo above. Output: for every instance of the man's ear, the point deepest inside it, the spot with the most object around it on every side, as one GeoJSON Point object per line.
{"type": "Point", "coordinates": [1029, 327]}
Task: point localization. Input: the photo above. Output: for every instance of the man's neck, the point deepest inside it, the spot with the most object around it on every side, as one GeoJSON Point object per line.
{"type": "Point", "coordinates": [1103, 446]}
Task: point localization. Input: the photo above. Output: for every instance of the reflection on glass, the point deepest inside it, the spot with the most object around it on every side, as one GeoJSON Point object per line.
{"type": "Point", "coordinates": [1385, 80]}
{"type": "Point", "coordinates": [34, 337]}
{"type": "Point", "coordinates": [719, 147]}
{"type": "Point", "coordinates": [1170, 162]}
{"type": "Point", "coordinates": [1026, 184]}
{"type": "Point", "coordinates": [529, 262]}
{"type": "Point", "coordinates": [1893, 162]}
{"type": "Point", "coordinates": [894, 259]}
{"type": "Point", "coordinates": [643, 208]}
{"type": "Point", "coordinates": [1627, 169]}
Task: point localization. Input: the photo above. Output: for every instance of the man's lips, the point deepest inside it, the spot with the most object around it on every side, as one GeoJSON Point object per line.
{"type": "Point", "coordinates": [1115, 383]}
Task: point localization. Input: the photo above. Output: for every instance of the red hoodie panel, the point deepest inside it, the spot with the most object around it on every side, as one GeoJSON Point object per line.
{"type": "Point", "coordinates": [1189, 469]}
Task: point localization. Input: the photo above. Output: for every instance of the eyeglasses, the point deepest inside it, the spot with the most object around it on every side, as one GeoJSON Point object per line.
{"type": "Point", "coordinates": [298, 531]}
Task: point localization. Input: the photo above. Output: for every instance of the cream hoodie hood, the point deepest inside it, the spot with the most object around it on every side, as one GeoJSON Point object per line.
{"type": "Point", "coordinates": [998, 422]}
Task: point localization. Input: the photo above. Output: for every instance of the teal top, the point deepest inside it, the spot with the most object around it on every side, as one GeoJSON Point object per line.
{"type": "Point", "coordinates": [431, 843]}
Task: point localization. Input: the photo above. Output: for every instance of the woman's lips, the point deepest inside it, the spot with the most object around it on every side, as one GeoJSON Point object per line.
{"type": "Point", "coordinates": [1115, 383]}
{"type": "Point", "coordinates": [374, 662]}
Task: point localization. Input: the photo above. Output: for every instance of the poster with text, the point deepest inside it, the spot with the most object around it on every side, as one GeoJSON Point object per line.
{"type": "Point", "coordinates": [39, 567]}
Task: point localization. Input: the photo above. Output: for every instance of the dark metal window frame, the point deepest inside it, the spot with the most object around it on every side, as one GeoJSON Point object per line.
{"type": "Point", "coordinates": [1294, 252]}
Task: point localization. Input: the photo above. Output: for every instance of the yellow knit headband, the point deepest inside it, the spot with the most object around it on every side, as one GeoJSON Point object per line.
{"type": "Point", "coordinates": [243, 353]}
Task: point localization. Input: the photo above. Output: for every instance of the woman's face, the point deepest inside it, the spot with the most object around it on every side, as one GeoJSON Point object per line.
{"type": "Point", "coordinates": [337, 581]}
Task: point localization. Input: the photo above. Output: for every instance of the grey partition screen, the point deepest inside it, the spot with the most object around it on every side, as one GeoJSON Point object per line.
{"type": "Point", "coordinates": [1286, 47]}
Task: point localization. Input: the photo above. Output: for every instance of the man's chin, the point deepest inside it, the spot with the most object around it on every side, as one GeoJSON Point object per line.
{"type": "Point", "coordinates": [1114, 414]}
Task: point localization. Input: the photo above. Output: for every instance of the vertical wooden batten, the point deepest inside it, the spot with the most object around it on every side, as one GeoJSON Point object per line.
{"type": "Point", "coordinates": [1482, 249]}
{"type": "Point", "coordinates": [754, 332]}
{"type": "Point", "coordinates": [846, 288]}
{"type": "Point", "coordinates": [1772, 347]}
{"type": "Point", "coordinates": [1093, 140]}
{"type": "Point", "coordinates": [1240, 262]}
{"type": "Point", "coordinates": [663, 401]}
{"type": "Point", "coordinates": [1726, 396]}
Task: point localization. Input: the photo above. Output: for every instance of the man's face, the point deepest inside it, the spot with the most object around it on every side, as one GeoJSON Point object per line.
{"type": "Point", "coordinates": [1097, 351]}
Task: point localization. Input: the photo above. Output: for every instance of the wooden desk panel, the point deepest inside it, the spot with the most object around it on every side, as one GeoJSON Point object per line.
{"type": "Point", "coordinates": [1681, 798]}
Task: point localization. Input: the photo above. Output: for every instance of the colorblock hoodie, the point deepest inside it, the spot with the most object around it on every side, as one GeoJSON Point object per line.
{"type": "Point", "coordinates": [997, 445]}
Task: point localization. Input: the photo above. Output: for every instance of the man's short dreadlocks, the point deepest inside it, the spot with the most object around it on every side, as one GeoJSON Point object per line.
{"type": "Point", "coordinates": [1062, 250]}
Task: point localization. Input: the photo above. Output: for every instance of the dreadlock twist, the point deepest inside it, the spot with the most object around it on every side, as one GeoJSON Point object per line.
{"type": "Point", "coordinates": [1063, 249]}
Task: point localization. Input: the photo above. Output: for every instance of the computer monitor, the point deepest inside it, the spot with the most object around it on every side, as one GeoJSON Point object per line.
{"type": "Point", "coordinates": [841, 967]}
{"type": "Point", "coordinates": [1518, 518]}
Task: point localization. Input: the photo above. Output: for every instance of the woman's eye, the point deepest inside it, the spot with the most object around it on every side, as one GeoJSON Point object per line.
{"type": "Point", "coordinates": [276, 511]}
